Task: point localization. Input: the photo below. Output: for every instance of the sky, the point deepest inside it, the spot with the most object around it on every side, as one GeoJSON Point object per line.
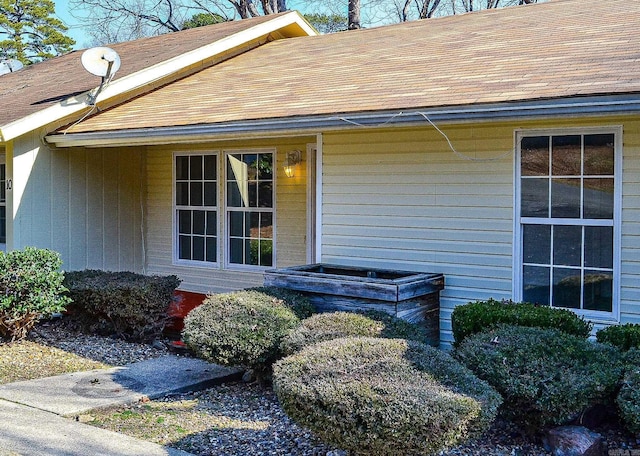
{"type": "Point", "coordinates": [75, 30]}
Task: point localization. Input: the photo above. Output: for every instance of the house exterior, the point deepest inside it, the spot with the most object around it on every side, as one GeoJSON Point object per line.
{"type": "Point", "coordinates": [500, 148]}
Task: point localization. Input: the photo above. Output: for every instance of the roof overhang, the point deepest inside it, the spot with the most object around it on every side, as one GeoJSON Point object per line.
{"type": "Point", "coordinates": [288, 126]}
{"type": "Point", "coordinates": [64, 112]}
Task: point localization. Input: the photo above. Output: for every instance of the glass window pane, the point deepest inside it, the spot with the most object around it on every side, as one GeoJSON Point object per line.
{"type": "Point", "coordinates": [212, 223]}
{"type": "Point", "coordinates": [236, 251]}
{"type": "Point", "coordinates": [195, 190]}
{"type": "Point", "coordinates": [182, 193]}
{"type": "Point", "coordinates": [236, 224]}
{"type": "Point", "coordinates": [598, 198]}
{"type": "Point", "coordinates": [252, 247]}
{"type": "Point", "coordinates": [182, 167]}
{"type": "Point", "coordinates": [184, 222]}
{"type": "Point", "coordinates": [198, 222]}
{"type": "Point", "coordinates": [567, 245]}
{"type": "Point", "coordinates": [536, 285]}
{"type": "Point", "coordinates": [212, 250]}
{"type": "Point", "coordinates": [599, 155]}
{"type": "Point", "coordinates": [232, 158]}
{"type": "Point", "coordinates": [210, 167]}
{"type": "Point", "coordinates": [253, 221]}
{"type": "Point", "coordinates": [565, 198]}
{"type": "Point", "coordinates": [265, 166]}
{"type": "Point", "coordinates": [195, 167]}
{"type": "Point", "coordinates": [235, 197]}
{"type": "Point", "coordinates": [184, 248]}
{"type": "Point", "coordinates": [253, 194]}
{"type": "Point", "coordinates": [567, 287]}
{"type": "Point", "coordinates": [566, 156]}
{"type": "Point", "coordinates": [266, 226]}
{"type": "Point", "coordinates": [598, 291]}
{"type": "Point", "coordinates": [535, 198]}
{"type": "Point", "coordinates": [265, 194]}
{"type": "Point", "coordinates": [598, 247]}
{"type": "Point", "coordinates": [252, 165]}
{"type": "Point", "coordinates": [536, 244]}
{"type": "Point", "coordinates": [210, 194]}
{"type": "Point", "coordinates": [198, 248]}
{"type": "Point", "coordinates": [534, 153]}
{"type": "Point", "coordinates": [266, 253]}
{"type": "Point", "coordinates": [3, 224]}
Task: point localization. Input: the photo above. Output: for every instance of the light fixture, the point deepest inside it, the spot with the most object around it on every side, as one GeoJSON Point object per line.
{"type": "Point", "coordinates": [292, 159]}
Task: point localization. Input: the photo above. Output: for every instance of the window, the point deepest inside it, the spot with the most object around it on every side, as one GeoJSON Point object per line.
{"type": "Point", "coordinates": [250, 208]}
{"type": "Point", "coordinates": [568, 220]}
{"type": "Point", "coordinates": [196, 208]}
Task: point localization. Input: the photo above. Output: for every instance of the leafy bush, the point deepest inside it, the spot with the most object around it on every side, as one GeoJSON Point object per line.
{"type": "Point", "coordinates": [333, 325]}
{"type": "Point", "coordinates": [296, 301]}
{"type": "Point", "coordinates": [125, 303]}
{"type": "Point", "coordinates": [622, 336]}
{"type": "Point", "coordinates": [628, 399]}
{"type": "Point", "coordinates": [244, 328]}
{"type": "Point", "coordinates": [31, 284]}
{"type": "Point", "coordinates": [383, 396]}
{"type": "Point", "coordinates": [545, 376]}
{"type": "Point", "coordinates": [479, 316]}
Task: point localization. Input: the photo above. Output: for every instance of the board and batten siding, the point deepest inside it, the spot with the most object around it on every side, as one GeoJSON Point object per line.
{"type": "Point", "coordinates": [86, 204]}
{"type": "Point", "coordinates": [404, 200]}
{"type": "Point", "coordinates": [290, 219]}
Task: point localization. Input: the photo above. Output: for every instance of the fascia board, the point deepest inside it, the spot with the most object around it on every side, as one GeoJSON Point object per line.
{"type": "Point", "coordinates": [162, 71]}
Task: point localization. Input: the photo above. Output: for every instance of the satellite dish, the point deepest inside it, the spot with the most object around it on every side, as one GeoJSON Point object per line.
{"type": "Point", "coordinates": [10, 65]}
{"type": "Point", "coordinates": [101, 61]}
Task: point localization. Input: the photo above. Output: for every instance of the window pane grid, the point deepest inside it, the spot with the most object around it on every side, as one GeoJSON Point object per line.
{"type": "Point", "coordinates": [250, 208]}
{"type": "Point", "coordinates": [566, 215]}
{"type": "Point", "coordinates": [196, 207]}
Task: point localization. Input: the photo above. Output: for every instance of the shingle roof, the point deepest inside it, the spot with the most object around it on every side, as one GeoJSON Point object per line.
{"type": "Point", "coordinates": [43, 84]}
{"type": "Point", "coordinates": [562, 48]}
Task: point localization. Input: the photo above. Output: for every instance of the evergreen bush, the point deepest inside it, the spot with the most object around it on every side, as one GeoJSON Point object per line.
{"type": "Point", "coordinates": [622, 336]}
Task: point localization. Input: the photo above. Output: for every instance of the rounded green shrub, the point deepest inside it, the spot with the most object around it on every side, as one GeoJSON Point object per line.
{"type": "Point", "coordinates": [383, 396]}
{"type": "Point", "coordinates": [622, 336]}
{"type": "Point", "coordinates": [628, 400]}
{"type": "Point", "coordinates": [32, 287]}
{"type": "Point", "coordinates": [296, 301]}
{"type": "Point", "coordinates": [334, 325]}
{"type": "Point", "coordinates": [243, 328]}
{"type": "Point", "coordinates": [545, 376]}
{"type": "Point", "coordinates": [479, 316]}
{"type": "Point", "coordinates": [134, 306]}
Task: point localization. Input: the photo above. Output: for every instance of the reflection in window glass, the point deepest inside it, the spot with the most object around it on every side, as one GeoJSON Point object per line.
{"type": "Point", "coordinates": [567, 194]}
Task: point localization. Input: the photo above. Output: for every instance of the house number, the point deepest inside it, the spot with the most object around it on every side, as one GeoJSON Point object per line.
{"type": "Point", "coordinates": [9, 184]}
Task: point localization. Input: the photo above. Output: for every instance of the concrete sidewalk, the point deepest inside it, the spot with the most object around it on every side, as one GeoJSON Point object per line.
{"type": "Point", "coordinates": [32, 412]}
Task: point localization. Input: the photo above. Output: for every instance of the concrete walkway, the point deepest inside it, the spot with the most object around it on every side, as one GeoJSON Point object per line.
{"type": "Point", "coordinates": [32, 413]}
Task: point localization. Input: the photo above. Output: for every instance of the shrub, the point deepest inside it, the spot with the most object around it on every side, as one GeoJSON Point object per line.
{"type": "Point", "coordinates": [622, 336]}
{"type": "Point", "coordinates": [125, 303]}
{"type": "Point", "coordinates": [479, 316]}
{"type": "Point", "coordinates": [327, 326]}
{"type": "Point", "coordinates": [628, 399]}
{"type": "Point", "coordinates": [383, 396]}
{"type": "Point", "coordinates": [31, 284]}
{"type": "Point", "coordinates": [296, 301]}
{"type": "Point", "coordinates": [244, 328]}
{"type": "Point", "coordinates": [545, 376]}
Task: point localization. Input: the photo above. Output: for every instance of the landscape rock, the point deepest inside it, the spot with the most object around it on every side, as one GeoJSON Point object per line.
{"type": "Point", "coordinates": [573, 441]}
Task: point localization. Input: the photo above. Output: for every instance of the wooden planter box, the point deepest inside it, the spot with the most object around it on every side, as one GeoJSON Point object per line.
{"type": "Point", "coordinates": [412, 296]}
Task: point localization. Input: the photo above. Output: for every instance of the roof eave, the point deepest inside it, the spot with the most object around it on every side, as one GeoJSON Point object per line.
{"type": "Point", "coordinates": [288, 25]}
{"type": "Point", "coordinates": [565, 107]}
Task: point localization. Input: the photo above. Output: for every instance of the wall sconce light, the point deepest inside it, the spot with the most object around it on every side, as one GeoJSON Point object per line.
{"type": "Point", "coordinates": [292, 159]}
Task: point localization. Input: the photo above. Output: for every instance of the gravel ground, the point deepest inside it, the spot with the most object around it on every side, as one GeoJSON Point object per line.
{"type": "Point", "coordinates": [232, 419]}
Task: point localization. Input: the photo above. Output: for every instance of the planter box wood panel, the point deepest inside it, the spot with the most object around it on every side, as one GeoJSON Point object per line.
{"type": "Point", "coordinates": [412, 296]}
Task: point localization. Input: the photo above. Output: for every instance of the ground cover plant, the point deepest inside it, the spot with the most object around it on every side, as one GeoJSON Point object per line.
{"type": "Point", "coordinates": [333, 325]}
{"type": "Point", "coordinates": [244, 328]}
{"type": "Point", "coordinates": [31, 284]}
{"type": "Point", "coordinates": [546, 377]}
{"type": "Point", "coordinates": [131, 305]}
{"type": "Point", "coordinates": [479, 316]}
{"type": "Point", "coordinates": [383, 396]}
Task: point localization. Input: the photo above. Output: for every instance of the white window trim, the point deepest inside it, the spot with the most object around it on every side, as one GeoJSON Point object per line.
{"type": "Point", "coordinates": [594, 316]}
{"type": "Point", "coordinates": [223, 207]}
{"type": "Point", "coordinates": [176, 261]}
